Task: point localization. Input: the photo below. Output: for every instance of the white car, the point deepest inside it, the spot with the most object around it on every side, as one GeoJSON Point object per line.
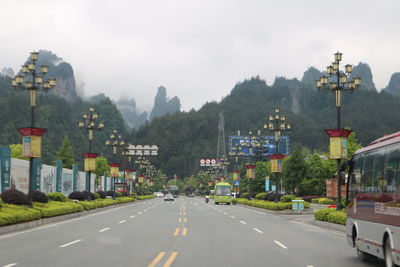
{"type": "Point", "coordinates": [158, 194]}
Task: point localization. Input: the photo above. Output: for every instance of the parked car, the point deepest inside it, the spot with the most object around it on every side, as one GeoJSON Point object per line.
{"type": "Point", "coordinates": [169, 197]}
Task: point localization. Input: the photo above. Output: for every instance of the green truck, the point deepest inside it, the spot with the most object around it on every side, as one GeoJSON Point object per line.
{"type": "Point", "coordinates": [223, 193]}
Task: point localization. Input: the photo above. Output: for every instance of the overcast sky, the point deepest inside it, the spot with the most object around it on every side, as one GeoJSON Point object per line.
{"type": "Point", "coordinates": [199, 49]}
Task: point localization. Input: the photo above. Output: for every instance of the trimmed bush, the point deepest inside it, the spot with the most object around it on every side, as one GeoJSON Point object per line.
{"type": "Point", "coordinates": [14, 196]}
{"type": "Point", "coordinates": [88, 205]}
{"type": "Point", "coordinates": [271, 196]}
{"type": "Point", "coordinates": [88, 194]}
{"type": "Point", "coordinates": [327, 201]}
{"type": "Point", "coordinates": [134, 195]}
{"type": "Point", "coordinates": [10, 214]}
{"type": "Point", "coordinates": [56, 196]}
{"type": "Point", "coordinates": [127, 199]}
{"type": "Point", "coordinates": [54, 208]}
{"type": "Point", "coordinates": [338, 217]}
{"type": "Point", "coordinates": [146, 197]}
{"type": "Point", "coordinates": [118, 194]}
{"type": "Point", "coordinates": [96, 196]}
{"type": "Point", "coordinates": [287, 198]}
{"type": "Point", "coordinates": [244, 195]}
{"type": "Point", "coordinates": [101, 202]}
{"type": "Point", "coordinates": [101, 194]}
{"type": "Point", "coordinates": [322, 214]}
{"type": "Point", "coordinates": [77, 195]}
{"type": "Point", "coordinates": [38, 196]}
{"type": "Point", "coordinates": [260, 196]}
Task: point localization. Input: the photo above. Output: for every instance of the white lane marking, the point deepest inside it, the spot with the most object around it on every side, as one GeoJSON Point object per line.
{"type": "Point", "coordinates": [105, 229]}
{"type": "Point", "coordinates": [67, 221]}
{"type": "Point", "coordinates": [233, 217]}
{"type": "Point", "coordinates": [140, 212]}
{"type": "Point", "coordinates": [145, 210]}
{"type": "Point", "coordinates": [319, 229]}
{"type": "Point", "coordinates": [225, 213]}
{"type": "Point", "coordinates": [70, 243]}
{"type": "Point", "coordinates": [243, 222]}
{"type": "Point", "coordinates": [258, 230]}
{"type": "Point", "coordinates": [122, 221]}
{"type": "Point", "coordinates": [10, 265]}
{"type": "Point", "coordinates": [280, 244]}
{"type": "Point", "coordinates": [310, 265]}
{"type": "Point", "coordinates": [133, 216]}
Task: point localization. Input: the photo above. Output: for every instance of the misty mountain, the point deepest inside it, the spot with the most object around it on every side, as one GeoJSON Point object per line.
{"type": "Point", "coordinates": [164, 106]}
{"type": "Point", "coordinates": [394, 84]}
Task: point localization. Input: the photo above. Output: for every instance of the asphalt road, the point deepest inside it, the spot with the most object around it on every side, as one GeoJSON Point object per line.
{"type": "Point", "coordinates": [186, 232]}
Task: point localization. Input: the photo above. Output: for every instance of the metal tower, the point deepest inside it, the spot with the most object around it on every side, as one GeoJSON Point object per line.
{"type": "Point", "coordinates": [221, 148]}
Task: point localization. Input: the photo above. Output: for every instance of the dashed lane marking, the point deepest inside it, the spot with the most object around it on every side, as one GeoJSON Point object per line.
{"type": "Point", "coordinates": [10, 265]}
{"type": "Point", "coordinates": [185, 219]}
{"type": "Point", "coordinates": [133, 216]}
{"type": "Point", "coordinates": [225, 213]}
{"type": "Point", "coordinates": [156, 259]}
{"type": "Point", "coordinates": [184, 232]}
{"type": "Point", "coordinates": [170, 259]}
{"type": "Point", "coordinates": [105, 229]}
{"type": "Point", "coordinates": [122, 221]}
{"type": "Point", "coordinates": [280, 244]}
{"type": "Point", "coordinates": [140, 212]}
{"type": "Point", "coordinates": [233, 217]}
{"type": "Point", "coordinates": [243, 222]}
{"type": "Point", "coordinates": [258, 230]}
{"type": "Point", "coordinates": [71, 243]}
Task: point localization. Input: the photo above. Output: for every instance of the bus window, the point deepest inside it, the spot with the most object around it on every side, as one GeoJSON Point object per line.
{"type": "Point", "coordinates": [392, 182]}
{"type": "Point", "coordinates": [355, 177]}
{"type": "Point", "coordinates": [379, 166]}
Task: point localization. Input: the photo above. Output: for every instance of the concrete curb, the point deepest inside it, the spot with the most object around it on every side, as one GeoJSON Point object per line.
{"type": "Point", "coordinates": [35, 223]}
{"type": "Point", "coordinates": [281, 212]}
{"type": "Point", "coordinates": [329, 225]}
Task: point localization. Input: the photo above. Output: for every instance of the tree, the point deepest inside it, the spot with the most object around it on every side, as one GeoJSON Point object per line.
{"type": "Point", "coordinates": [17, 151]}
{"type": "Point", "coordinates": [295, 171]}
{"type": "Point", "coordinates": [66, 153]}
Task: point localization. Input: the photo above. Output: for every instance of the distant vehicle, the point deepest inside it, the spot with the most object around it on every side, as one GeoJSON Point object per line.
{"type": "Point", "coordinates": [373, 200]}
{"type": "Point", "coordinates": [174, 190]}
{"type": "Point", "coordinates": [169, 197]}
{"type": "Point", "coordinates": [158, 194]}
{"type": "Point", "coordinates": [223, 193]}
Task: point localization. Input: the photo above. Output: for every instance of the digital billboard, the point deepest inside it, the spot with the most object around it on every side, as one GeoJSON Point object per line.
{"type": "Point", "coordinates": [247, 146]}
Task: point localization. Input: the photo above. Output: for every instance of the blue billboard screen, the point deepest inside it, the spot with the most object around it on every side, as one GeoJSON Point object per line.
{"type": "Point", "coordinates": [246, 146]}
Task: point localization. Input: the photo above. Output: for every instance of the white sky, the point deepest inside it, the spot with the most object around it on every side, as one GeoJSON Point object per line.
{"type": "Point", "coordinates": [199, 49]}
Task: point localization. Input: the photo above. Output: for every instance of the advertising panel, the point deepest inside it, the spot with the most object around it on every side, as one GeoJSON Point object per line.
{"type": "Point", "coordinates": [246, 146]}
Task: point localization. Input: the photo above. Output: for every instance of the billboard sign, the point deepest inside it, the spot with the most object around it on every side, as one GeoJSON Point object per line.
{"type": "Point", "coordinates": [246, 146]}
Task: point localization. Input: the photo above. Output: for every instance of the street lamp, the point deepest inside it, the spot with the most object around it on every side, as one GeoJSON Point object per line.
{"type": "Point", "coordinates": [277, 124]}
{"type": "Point", "coordinates": [88, 123]}
{"type": "Point", "coordinates": [114, 142]}
{"type": "Point", "coordinates": [338, 81]}
{"type": "Point", "coordinates": [33, 80]}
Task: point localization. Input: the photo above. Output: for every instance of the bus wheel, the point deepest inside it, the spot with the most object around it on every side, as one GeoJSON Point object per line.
{"type": "Point", "coordinates": [388, 254]}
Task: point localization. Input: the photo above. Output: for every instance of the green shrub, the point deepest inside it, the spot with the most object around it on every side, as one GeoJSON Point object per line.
{"type": "Point", "coordinates": [88, 205]}
{"type": "Point", "coordinates": [10, 214]}
{"type": "Point", "coordinates": [287, 198]}
{"type": "Point", "coordinates": [56, 196]}
{"type": "Point", "coordinates": [96, 196]}
{"type": "Point", "coordinates": [322, 214]}
{"type": "Point", "coordinates": [244, 195]}
{"type": "Point", "coordinates": [118, 194]}
{"type": "Point", "coordinates": [327, 201]}
{"type": "Point", "coordinates": [54, 208]}
{"type": "Point", "coordinates": [337, 217]}
{"type": "Point", "coordinates": [260, 196]}
{"type": "Point", "coordinates": [125, 199]}
{"type": "Point", "coordinates": [146, 197]}
{"type": "Point", "coordinates": [133, 195]}
{"type": "Point", "coordinates": [105, 202]}
{"type": "Point", "coordinates": [315, 200]}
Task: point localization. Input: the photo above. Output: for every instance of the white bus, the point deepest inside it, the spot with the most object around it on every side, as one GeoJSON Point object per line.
{"type": "Point", "coordinates": [373, 200]}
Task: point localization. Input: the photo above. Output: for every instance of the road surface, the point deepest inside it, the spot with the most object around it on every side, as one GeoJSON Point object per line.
{"type": "Point", "coordinates": [186, 232]}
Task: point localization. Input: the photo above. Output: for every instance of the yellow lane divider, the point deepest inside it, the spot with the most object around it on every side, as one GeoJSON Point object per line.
{"type": "Point", "coordinates": [184, 232]}
{"type": "Point", "coordinates": [156, 260]}
{"type": "Point", "coordinates": [170, 259]}
{"type": "Point", "coordinates": [176, 232]}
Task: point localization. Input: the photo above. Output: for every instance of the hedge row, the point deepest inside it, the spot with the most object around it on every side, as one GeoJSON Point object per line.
{"type": "Point", "coordinates": [268, 204]}
{"type": "Point", "coordinates": [145, 197]}
{"type": "Point", "coordinates": [323, 200]}
{"type": "Point", "coordinates": [331, 215]}
{"type": "Point", "coordinates": [11, 214]}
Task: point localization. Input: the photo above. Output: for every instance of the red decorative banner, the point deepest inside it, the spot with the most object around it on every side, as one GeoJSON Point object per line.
{"type": "Point", "coordinates": [338, 132]}
{"type": "Point", "coordinates": [32, 131]}
{"type": "Point", "coordinates": [277, 156]}
{"type": "Point", "coordinates": [90, 155]}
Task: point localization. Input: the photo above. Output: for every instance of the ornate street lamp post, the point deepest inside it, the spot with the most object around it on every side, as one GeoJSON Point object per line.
{"type": "Point", "coordinates": [277, 124]}
{"type": "Point", "coordinates": [33, 81]}
{"type": "Point", "coordinates": [337, 82]}
{"type": "Point", "coordinates": [114, 142]}
{"type": "Point", "coordinates": [88, 123]}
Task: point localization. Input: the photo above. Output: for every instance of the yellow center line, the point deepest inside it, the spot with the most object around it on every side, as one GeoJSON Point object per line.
{"type": "Point", "coordinates": [184, 232]}
{"type": "Point", "coordinates": [176, 232]}
{"type": "Point", "coordinates": [156, 260]}
{"type": "Point", "coordinates": [170, 259]}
